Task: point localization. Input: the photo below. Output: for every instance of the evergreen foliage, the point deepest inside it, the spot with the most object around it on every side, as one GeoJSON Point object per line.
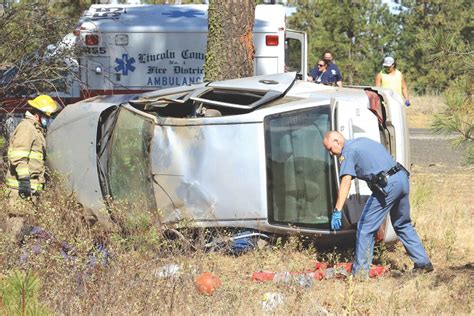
{"type": "Point", "coordinates": [435, 28]}
{"type": "Point", "coordinates": [19, 294]}
{"type": "Point", "coordinates": [360, 33]}
{"type": "Point", "coordinates": [454, 57]}
{"type": "Point", "coordinates": [430, 40]}
{"type": "Point", "coordinates": [458, 116]}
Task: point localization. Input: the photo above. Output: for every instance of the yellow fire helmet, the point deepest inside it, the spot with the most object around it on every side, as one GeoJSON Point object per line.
{"type": "Point", "coordinates": [45, 104]}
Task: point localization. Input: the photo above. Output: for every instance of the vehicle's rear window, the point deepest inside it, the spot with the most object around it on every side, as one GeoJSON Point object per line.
{"type": "Point", "coordinates": [301, 185]}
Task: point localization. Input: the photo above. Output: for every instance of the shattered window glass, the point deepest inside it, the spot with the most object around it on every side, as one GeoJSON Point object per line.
{"type": "Point", "coordinates": [129, 163]}
{"type": "Point", "coordinates": [301, 185]}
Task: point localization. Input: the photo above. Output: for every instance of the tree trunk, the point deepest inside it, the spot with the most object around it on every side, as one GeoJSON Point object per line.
{"type": "Point", "coordinates": [230, 49]}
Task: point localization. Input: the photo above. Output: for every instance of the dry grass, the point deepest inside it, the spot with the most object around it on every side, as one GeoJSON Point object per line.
{"type": "Point", "coordinates": [442, 212]}
{"type": "Point", "coordinates": [422, 108]}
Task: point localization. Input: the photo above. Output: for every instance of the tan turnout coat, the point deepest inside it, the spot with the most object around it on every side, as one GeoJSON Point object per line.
{"type": "Point", "coordinates": [26, 153]}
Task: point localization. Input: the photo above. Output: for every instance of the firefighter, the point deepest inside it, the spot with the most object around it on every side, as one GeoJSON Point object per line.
{"type": "Point", "coordinates": [368, 160]}
{"type": "Point", "coordinates": [25, 175]}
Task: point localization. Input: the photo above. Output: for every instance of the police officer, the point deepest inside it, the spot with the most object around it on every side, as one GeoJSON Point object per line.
{"type": "Point", "coordinates": [368, 160]}
{"type": "Point", "coordinates": [25, 175]}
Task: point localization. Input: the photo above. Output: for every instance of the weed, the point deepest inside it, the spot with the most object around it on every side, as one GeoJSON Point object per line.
{"type": "Point", "coordinates": [420, 194]}
{"type": "Point", "coordinates": [450, 243]}
{"type": "Point", "coordinates": [332, 258]}
{"type": "Point", "coordinates": [381, 253]}
{"type": "Point", "coordinates": [349, 295]}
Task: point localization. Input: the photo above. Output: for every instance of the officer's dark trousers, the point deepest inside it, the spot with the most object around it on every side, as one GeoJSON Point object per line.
{"type": "Point", "coordinates": [398, 204]}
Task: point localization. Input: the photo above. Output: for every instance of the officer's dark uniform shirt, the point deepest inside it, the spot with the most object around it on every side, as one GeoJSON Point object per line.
{"type": "Point", "coordinates": [322, 77]}
{"type": "Point", "coordinates": [363, 157]}
{"type": "Point", "coordinates": [335, 74]}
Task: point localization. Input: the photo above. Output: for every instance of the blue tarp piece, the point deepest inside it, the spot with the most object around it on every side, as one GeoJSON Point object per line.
{"type": "Point", "coordinates": [38, 239]}
{"type": "Point", "coordinates": [245, 241]}
{"type": "Point", "coordinates": [99, 254]}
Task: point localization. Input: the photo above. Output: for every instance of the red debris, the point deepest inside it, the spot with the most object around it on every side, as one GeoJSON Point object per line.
{"type": "Point", "coordinates": [319, 275]}
{"type": "Point", "coordinates": [320, 271]}
{"type": "Point", "coordinates": [377, 271]}
{"type": "Point", "coordinates": [263, 276]}
{"type": "Point", "coordinates": [207, 283]}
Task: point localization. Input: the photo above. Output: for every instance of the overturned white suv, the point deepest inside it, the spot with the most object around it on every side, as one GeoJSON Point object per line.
{"type": "Point", "coordinates": [238, 153]}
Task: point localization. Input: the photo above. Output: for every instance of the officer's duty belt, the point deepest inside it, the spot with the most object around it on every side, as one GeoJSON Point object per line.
{"type": "Point", "coordinates": [396, 168]}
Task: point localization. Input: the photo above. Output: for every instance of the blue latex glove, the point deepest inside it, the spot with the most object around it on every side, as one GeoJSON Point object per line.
{"type": "Point", "coordinates": [407, 103]}
{"type": "Point", "coordinates": [336, 220]}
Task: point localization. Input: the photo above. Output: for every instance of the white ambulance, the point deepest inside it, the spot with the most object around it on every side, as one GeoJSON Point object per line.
{"type": "Point", "coordinates": [136, 48]}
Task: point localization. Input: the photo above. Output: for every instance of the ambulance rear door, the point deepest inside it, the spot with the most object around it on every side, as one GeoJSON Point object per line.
{"type": "Point", "coordinates": [296, 57]}
{"type": "Point", "coordinates": [97, 72]}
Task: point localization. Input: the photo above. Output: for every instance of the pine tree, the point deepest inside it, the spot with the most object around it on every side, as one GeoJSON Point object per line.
{"type": "Point", "coordinates": [422, 20]}
{"type": "Point", "coordinates": [19, 295]}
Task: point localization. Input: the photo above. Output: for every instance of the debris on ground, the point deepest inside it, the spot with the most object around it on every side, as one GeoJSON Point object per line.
{"type": "Point", "coordinates": [239, 243]}
{"type": "Point", "coordinates": [168, 271]}
{"type": "Point", "coordinates": [271, 301]}
{"type": "Point", "coordinates": [321, 271]}
{"type": "Point", "coordinates": [35, 240]}
{"type": "Point", "coordinates": [207, 283]}
{"type": "Point", "coordinates": [98, 255]}
{"type": "Point", "coordinates": [246, 241]}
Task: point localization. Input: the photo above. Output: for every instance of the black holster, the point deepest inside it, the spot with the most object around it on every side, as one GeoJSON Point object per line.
{"type": "Point", "coordinates": [377, 183]}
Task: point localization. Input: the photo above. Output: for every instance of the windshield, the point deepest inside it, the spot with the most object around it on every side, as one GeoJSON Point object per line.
{"type": "Point", "coordinates": [301, 184]}
{"type": "Point", "coordinates": [129, 171]}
